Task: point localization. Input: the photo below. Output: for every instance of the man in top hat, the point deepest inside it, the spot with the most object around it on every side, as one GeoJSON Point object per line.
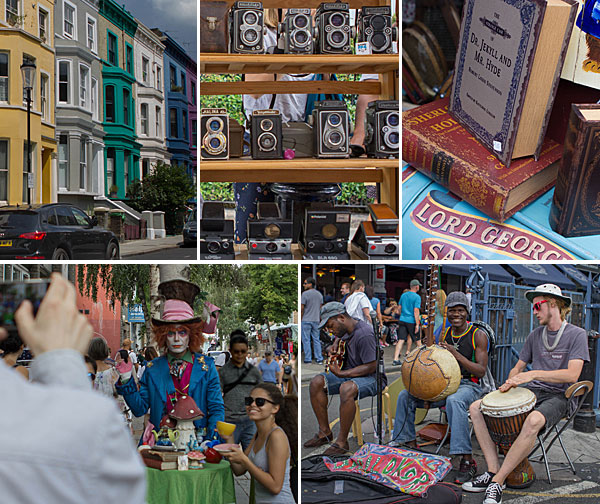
{"type": "Point", "coordinates": [182, 369]}
{"type": "Point", "coordinates": [556, 351]}
{"type": "Point", "coordinates": [354, 379]}
{"type": "Point", "coordinates": [469, 346]}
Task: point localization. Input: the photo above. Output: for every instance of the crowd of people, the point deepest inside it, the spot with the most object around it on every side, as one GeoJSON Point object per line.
{"type": "Point", "coordinates": [555, 352]}
{"type": "Point", "coordinates": [69, 363]}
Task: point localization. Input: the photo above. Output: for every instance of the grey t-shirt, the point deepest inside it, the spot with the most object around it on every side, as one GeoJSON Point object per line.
{"type": "Point", "coordinates": [361, 347]}
{"type": "Point", "coordinates": [572, 345]}
{"type": "Point", "coordinates": [235, 409]}
{"type": "Point", "coordinates": [312, 300]}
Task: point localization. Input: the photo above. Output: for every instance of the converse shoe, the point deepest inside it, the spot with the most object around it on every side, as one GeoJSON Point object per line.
{"type": "Point", "coordinates": [466, 471]}
{"type": "Point", "coordinates": [493, 493]}
{"type": "Point", "coordinates": [479, 484]}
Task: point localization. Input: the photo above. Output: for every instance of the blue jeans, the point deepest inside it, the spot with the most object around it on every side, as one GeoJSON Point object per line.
{"type": "Point", "coordinates": [244, 432]}
{"type": "Point", "coordinates": [310, 330]}
{"type": "Point", "coordinates": [457, 410]}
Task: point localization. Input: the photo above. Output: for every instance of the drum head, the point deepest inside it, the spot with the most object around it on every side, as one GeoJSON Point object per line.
{"type": "Point", "coordinates": [504, 404]}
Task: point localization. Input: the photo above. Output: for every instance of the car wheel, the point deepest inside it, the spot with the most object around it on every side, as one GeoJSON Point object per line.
{"type": "Point", "coordinates": [60, 255]}
{"type": "Point", "coordinates": [112, 251]}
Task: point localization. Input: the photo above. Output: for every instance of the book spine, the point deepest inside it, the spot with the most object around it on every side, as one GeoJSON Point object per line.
{"type": "Point", "coordinates": [570, 166]}
{"type": "Point", "coordinates": [455, 174]}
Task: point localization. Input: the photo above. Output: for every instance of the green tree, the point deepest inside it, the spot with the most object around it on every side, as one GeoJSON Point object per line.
{"type": "Point", "coordinates": [271, 294]}
{"type": "Point", "coordinates": [167, 188]}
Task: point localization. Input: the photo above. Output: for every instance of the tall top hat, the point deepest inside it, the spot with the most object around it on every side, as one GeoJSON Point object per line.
{"type": "Point", "coordinates": [179, 297]}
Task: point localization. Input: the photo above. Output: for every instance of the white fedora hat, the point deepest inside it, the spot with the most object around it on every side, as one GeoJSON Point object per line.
{"type": "Point", "coordinates": [547, 289]}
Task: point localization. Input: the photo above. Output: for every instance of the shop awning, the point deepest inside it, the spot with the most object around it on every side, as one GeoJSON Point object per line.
{"type": "Point", "coordinates": [537, 274]}
{"type": "Point", "coordinates": [496, 272]}
{"type": "Point", "coordinates": [578, 276]}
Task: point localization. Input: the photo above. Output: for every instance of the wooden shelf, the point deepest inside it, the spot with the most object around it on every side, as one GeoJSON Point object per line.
{"type": "Point", "coordinates": [383, 171]}
{"type": "Point", "coordinates": [287, 87]}
{"type": "Point", "coordinates": [211, 63]}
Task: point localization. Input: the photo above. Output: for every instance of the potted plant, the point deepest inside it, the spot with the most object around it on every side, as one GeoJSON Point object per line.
{"type": "Point", "coordinates": [113, 191]}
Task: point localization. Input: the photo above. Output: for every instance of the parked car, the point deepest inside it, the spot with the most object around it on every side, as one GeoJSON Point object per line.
{"type": "Point", "coordinates": [190, 230]}
{"type": "Point", "coordinates": [57, 231]}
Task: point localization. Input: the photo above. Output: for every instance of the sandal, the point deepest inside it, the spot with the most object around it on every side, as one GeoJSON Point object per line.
{"type": "Point", "coordinates": [317, 441]}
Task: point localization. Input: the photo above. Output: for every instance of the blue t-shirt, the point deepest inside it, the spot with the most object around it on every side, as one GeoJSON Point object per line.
{"type": "Point", "coordinates": [374, 302]}
{"type": "Point", "coordinates": [269, 371]}
{"type": "Point", "coordinates": [409, 301]}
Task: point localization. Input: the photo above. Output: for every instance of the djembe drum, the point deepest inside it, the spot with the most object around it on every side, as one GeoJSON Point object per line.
{"type": "Point", "coordinates": [504, 414]}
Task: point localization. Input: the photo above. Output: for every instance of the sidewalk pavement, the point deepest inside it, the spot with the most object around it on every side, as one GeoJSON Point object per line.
{"type": "Point", "coordinates": [136, 247]}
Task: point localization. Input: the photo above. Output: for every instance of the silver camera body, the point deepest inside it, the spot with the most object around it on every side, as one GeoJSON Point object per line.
{"type": "Point", "coordinates": [331, 129]}
{"type": "Point", "coordinates": [246, 27]}
{"type": "Point", "coordinates": [333, 32]}
{"type": "Point", "coordinates": [297, 32]}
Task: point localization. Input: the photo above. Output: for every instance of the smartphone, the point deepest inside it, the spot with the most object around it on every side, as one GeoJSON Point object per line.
{"type": "Point", "coordinates": [12, 294]}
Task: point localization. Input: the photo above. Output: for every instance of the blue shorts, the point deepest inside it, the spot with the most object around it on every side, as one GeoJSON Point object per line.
{"type": "Point", "coordinates": [367, 385]}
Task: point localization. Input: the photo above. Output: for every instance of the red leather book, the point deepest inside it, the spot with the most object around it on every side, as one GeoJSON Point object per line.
{"type": "Point", "coordinates": [576, 205]}
{"type": "Point", "coordinates": [437, 145]}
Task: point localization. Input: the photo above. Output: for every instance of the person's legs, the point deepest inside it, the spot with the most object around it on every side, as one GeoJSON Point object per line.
{"type": "Point", "coordinates": [318, 401]}
{"type": "Point", "coordinates": [362, 102]}
{"type": "Point", "coordinates": [404, 421]}
{"type": "Point", "coordinates": [244, 432]}
{"type": "Point", "coordinates": [348, 394]}
{"type": "Point", "coordinates": [316, 342]}
{"type": "Point", "coordinates": [306, 335]}
{"type": "Point", "coordinates": [488, 447]}
{"type": "Point", "coordinates": [457, 407]}
{"type": "Point", "coordinates": [402, 335]}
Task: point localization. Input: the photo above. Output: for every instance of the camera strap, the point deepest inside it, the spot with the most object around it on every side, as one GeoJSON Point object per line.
{"type": "Point", "coordinates": [227, 388]}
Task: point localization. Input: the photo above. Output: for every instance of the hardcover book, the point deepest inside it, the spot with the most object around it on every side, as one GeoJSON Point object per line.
{"type": "Point", "coordinates": [507, 69]}
{"type": "Point", "coordinates": [435, 144]}
{"type": "Point", "coordinates": [576, 205]}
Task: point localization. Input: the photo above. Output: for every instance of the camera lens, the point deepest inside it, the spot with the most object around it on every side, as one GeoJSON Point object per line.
{"type": "Point", "coordinates": [333, 139]}
{"type": "Point", "coordinates": [329, 231]}
{"type": "Point", "coordinates": [213, 247]}
{"type": "Point", "coordinates": [378, 22]}
{"type": "Point", "coordinates": [215, 124]}
{"type": "Point", "coordinates": [225, 245]}
{"type": "Point", "coordinates": [390, 248]}
{"type": "Point", "coordinates": [266, 125]}
{"type": "Point", "coordinates": [249, 36]}
{"type": "Point", "coordinates": [336, 19]}
{"type": "Point", "coordinates": [394, 138]}
{"type": "Point", "coordinates": [250, 18]}
{"type": "Point", "coordinates": [378, 41]}
{"type": "Point", "coordinates": [271, 247]}
{"type": "Point", "coordinates": [300, 21]}
{"type": "Point", "coordinates": [334, 119]}
{"type": "Point", "coordinates": [393, 119]}
{"type": "Point", "coordinates": [215, 143]}
{"type": "Point", "coordinates": [267, 141]}
{"type": "Point", "coordinates": [328, 247]}
{"type": "Point", "coordinates": [300, 37]}
{"type": "Point", "coordinates": [337, 37]}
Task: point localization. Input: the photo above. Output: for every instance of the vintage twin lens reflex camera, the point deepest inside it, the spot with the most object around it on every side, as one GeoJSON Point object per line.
{"type": "Point", "coordinates": [333, 33]}
{"type": "Point", "coordinates": [382, 129]}
{"type": "Point", "coordinates": [296, 32]}
{"type": "Point", "coordinates": [266, 135]}
{"type": "Point", "coordinates": [331, 126]}
{"type": "Point", "coordinates": [375, 27]}
{"type": "Point", "coordinates": [246, 25]}
{"type": "Point", "coordinates": [269, 235]}
{"type": "Point", "coordinates": [214, 134]}
{"type": "Point", "coordinates": [216, 233]}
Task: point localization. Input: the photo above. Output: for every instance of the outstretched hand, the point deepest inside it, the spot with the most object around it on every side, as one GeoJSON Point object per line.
{"type": "Point", "coordinates": [58, 324]}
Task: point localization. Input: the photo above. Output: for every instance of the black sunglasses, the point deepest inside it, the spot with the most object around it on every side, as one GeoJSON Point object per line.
{"type": "Point", "coordinates": [260, 401]}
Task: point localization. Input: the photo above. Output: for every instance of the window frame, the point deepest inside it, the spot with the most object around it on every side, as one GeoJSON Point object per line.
{"type": "Point", "coordinates": [126, 107]}
{"type": "Point", "coordinates": [194, 132]}
{"type": "Point", "coordinates": [129, 66]}
{"type": "Point", "coordinates": [7, 77]}
{"type": "Point", "coordinates": [66, 161]}
{"type": "Point", "coordinates": [172, 77]}
{"type": "Point", "coordinates": [171, 110]}
{"type": "Point", "coordinates": [44, 95]}
{"type": "Point", "coordinates": [94, 47]}
{"type": "Point", "coordinates": [94, 99]}
{"type": "Point", "coordinates": [68, 82]}
{"type": "Point", "coordinates": [83, 145]}
{"type": "Point", "coordinates": [114, 104]}
{"type": "Point", "coordinates": [6, 170]}
{"type": "Point", "coordinates": [41, 10]}
{"type": "Point", "coordinates": [7, 11]}
{"type": "Point", "coordinates": [157, 122]}
{"type": "Point", "coordinates": [184, 125]}
{"type": "Point", "coordinates": [86, 105]}
{"type": "Point", "coordinates": [110, 34]}
{"type": "Point", "coordinates": [144, 123]}
{"type": "Point", "coordinates": [159, 77]}
{"type": "Point", "coordinates": [74, 7]}
{"type": "Point", "coordinates": [146, 71]}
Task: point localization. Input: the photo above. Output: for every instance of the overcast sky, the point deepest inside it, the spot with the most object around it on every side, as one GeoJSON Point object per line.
{"type": "Point", "coordinates": [176, 17]}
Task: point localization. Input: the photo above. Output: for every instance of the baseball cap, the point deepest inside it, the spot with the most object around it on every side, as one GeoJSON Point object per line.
{"type": "Point", "coordinates": [331, 310]}
{"type": "Point", "coordinates": [415, 282]}
{"type": "Point", "coordinates": [457, 298]}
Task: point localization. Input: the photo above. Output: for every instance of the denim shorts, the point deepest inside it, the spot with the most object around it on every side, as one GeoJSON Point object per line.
{"type": "Point", "coordinates": [367, 386]}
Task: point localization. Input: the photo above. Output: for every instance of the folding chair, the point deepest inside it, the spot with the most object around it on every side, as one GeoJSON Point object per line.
{"type": "Point", "coordinates": [576, 395]}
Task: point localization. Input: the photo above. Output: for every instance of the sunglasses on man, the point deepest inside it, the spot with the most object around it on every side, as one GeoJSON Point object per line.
{"type": "Point", "coordinates": [537, 306]}
{"type": "Point", "coordinates": [260, 401]}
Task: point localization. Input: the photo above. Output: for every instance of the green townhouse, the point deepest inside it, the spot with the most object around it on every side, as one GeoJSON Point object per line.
{"type": "Point", "coordinates": [117, 29]}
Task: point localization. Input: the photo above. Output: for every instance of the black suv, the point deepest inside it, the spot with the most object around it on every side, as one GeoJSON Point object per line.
{"type": "Point", "coordinates": [57, 231]}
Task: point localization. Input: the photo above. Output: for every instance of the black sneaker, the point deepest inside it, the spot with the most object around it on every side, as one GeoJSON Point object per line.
{"type": "Point", "coordinates": [466, 471]}
{"type": "Point", "coordinates": [493, 494]}
{"type": "Point", "coordinates": [479, 484]}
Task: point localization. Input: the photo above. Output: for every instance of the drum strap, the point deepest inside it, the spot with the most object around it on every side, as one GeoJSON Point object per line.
{"type": "Point", "coordinates": [549, 347]}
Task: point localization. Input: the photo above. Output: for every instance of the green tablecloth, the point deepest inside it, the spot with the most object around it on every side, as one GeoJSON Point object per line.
{"type": "Point", "coordinates": [211, 485]}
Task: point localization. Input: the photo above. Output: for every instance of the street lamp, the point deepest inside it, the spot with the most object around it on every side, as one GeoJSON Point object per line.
{"type": "Point", "coordinates": [28, 72]}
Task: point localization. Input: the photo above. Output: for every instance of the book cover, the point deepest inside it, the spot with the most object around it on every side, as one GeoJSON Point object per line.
{"type": "Point", "coordinates": [508, 66]}
{"type": "Point", "coordinates": [576, 204]}
{"type": "Point", "coordinates": [435, 144]}
{"type": "Point", "coordinates": [155, 463]}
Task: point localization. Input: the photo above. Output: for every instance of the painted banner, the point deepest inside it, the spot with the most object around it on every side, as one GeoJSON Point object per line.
{"type": "Point", "coordinates": [406, 471]}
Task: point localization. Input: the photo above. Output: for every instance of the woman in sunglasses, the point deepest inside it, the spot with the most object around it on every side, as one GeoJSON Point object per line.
{"type": "Point", "coordinates": [276, 419]}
